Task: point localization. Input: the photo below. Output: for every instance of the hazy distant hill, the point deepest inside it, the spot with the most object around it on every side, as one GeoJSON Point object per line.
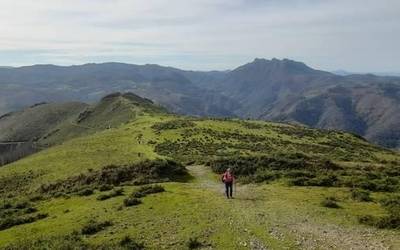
{"type": "Point", "coordinates": [20, 87]}
{"type": "Point", "coordinates": [279, 90]}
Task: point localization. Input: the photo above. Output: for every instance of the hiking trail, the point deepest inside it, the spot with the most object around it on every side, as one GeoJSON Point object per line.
{"type": "Point", "coordinates": [255, 214]}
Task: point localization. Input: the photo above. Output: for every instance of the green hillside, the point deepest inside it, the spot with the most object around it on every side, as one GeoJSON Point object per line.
{"type": "Point", "coordinates": [93, 189]}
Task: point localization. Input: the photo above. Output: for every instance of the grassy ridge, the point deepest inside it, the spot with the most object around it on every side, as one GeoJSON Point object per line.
{"type": "Point", "coordinates": [195, 208]}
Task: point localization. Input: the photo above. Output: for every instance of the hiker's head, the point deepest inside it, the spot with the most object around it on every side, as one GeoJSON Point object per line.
{"type": "Point", "coordinates": [228, 170]}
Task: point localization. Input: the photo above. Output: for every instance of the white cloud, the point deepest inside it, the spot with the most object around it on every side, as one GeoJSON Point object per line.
{"type": "Point", "coordinates": [359, 35]}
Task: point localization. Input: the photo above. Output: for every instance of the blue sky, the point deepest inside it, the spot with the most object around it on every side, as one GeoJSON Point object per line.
{"type": "Point", "coordinates": [355, 35]}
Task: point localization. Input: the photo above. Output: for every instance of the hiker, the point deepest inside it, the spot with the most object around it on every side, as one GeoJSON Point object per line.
{"type": "Point", "coordinates": [228, 178]}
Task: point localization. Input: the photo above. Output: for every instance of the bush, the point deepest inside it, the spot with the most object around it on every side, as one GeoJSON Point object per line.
{"type": "Point", "coordinates": [265, 175]}
{"type": "Point", "coordinates": [129, 243]}
{"type": "Point", "coordinates": [86, 192]}
{"type": "Point", "coordinates": [330, 202]}
{"type": "Point", "coordinates": [299, 181]}
{"type": "Point", "coordinates": [103, 197]}
{"type": "Point", "coordinates": [22, 205]}
{"type": "Point", "coordinates": [113, 193]}
{"type": "Point", "coordinates": [11, 221]}
{"type": "Point", "coordinates": [69, 242]}
{"type": "Point", "coordinates": [360, 195]}
{"type": "Point", "coordinates": [174, 124]}
{"type": "Point", "coordinates": [147, 171]}
{"type": "Point", "coordinates": [194, 243]}
{"type": "Point", "coordinates": [93, 227]}
{"type": "Point", "coordinates": [146, 190]}
{"type": "Point", "coordinates": [299, 173]}
{"type": "Point", "coordinates": [323, 181]}
{"type": "Point", "coordinates": [391, 202]}
{"type": "Point", "coordinates": [389, 222]}
{"type": "Point", "coordinates": [131, 201]}
{"type": "Point", "coordinates": [73, 241]}
{"type": "Point", "coordinates": [105, 187]}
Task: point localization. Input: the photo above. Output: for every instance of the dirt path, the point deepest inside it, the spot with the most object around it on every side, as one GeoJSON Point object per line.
{"type": "Point", "coordinates": [251, 211]}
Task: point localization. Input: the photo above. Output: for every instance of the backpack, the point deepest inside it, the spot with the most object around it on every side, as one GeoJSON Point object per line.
{"type": "Point", "coordinates": [227, 177]}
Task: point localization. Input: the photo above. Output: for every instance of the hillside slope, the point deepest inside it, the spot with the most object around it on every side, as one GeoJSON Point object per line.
{"type": "Point", "coordinates": [43, 125]}
{"type": "Point", "coordinates": [52, 123]}
{"type": "Point", "coordinates": [368, 111]}
{"type": "Point", "coordinates": [64, 186]}
{"type": "Point", "coordinates": [34, 122]}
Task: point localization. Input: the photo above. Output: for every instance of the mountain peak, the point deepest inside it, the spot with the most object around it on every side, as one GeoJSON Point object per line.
{"type": "Point", "coordinates": [285, 65]}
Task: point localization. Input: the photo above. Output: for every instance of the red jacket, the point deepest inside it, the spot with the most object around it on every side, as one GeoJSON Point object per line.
{"type": "Point", "coordinates": [228, 177]}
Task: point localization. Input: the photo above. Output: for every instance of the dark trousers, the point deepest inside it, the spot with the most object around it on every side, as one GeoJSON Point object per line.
{"type": "Point", "coordinates": [228, 189]}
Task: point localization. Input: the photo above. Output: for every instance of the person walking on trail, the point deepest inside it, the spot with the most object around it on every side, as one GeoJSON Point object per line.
{"type": "Point", "coordinates": [228, 178]}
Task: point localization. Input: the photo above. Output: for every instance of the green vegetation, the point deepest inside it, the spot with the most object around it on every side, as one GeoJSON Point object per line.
{"type": "Point", "coordinates": [194, 243]}
{"type": "Point", "coordinates": [93, 227]}
{"type": "Point", "coordinates": [330, 202]}
{"type": "Point", "coordinates": [131, 201]}
{"type": "Point", "coordinates": [146, 190]}
{"type": "Point", "coordinates": [391, 220]}
{"type": "Point", "coordinates": [92, 181]}
{"type": "Point", "coordinates": [114, 193]}
{"type": "Point", "coordinates": [74, 241]}
{"type": "Point", "coordinates": [11, 221]}
{"type": "Point", "coordinates": [360, 195]}
{"type": "Point", "coordinates": [143, 191]}
{"type": "Point", "coordinates": [138, 173]}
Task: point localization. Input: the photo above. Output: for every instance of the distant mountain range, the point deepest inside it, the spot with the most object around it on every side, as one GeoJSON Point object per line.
{"type": "Point", "coordinates": [277, 90]}
{"type": "Point", "coordinates": [346, 73]}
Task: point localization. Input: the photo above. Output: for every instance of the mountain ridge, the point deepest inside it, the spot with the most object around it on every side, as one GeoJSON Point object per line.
{"type": "Point", "coordinates": [262, 89]}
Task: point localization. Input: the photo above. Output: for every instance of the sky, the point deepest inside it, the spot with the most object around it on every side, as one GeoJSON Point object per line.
{"type": "Point", "coordinates": [353, 35]}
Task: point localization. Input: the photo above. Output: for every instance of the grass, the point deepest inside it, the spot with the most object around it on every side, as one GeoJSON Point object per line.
{"type": "Point", "coordinates": [196, 208]}
{"type": "Point", "coordinates": [173, 217]}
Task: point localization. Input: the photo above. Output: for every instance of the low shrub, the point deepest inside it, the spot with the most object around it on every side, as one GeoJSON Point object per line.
{"type": "Point", "coordinates": [105, 187]}
{"type": "Point", "coordinates": [194, 243]}
{"type": "Point", "coordinates": [22, 205]}
{"type": "Point", "coordinates": [146, 190]}
{"type": "Point", "coordinates": [299, 173]}
{"type": "Point", "coordinates": [265, 175]}
{"type": "Point", "coordinates": [9, 209]}
{"type": "Point", "coordinates": [360, 195]}
{"type": "Point", "coordinates": [391, 202]}
{"type": "Point", "coordinates": [68, 242]}
{"type": "Point", "coordinates": [323, 181]}
{"type": "Point", "coordinates": [113, 193]}
{"type": "Point", "coordinates": [72, 241]}
{"type": "Point", "coordinates": [30, 210]}
{"type": "Point", "coordinates": [392, 220]}
{"type": "Point", "coordinates": [86, 192]}
{"type": "Point", "coordinates": [11, 221]}
{"type": "Point", "coordinates": [389, 222]}
{"type": "Point", "coordinates": [174, 124]}
{"type": "Point", "coordinates": [147, 171]}
{"type": "Point", "coordinates": [131, 201]}
{"type": "Point", "coordinates": [299, 181]}
{"type": "Point", "coordinates": [129, 243]}
{"type": "Point", "coordinates": [330, 202]}
{"type": "Point", "coordinates": [93, 227]}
